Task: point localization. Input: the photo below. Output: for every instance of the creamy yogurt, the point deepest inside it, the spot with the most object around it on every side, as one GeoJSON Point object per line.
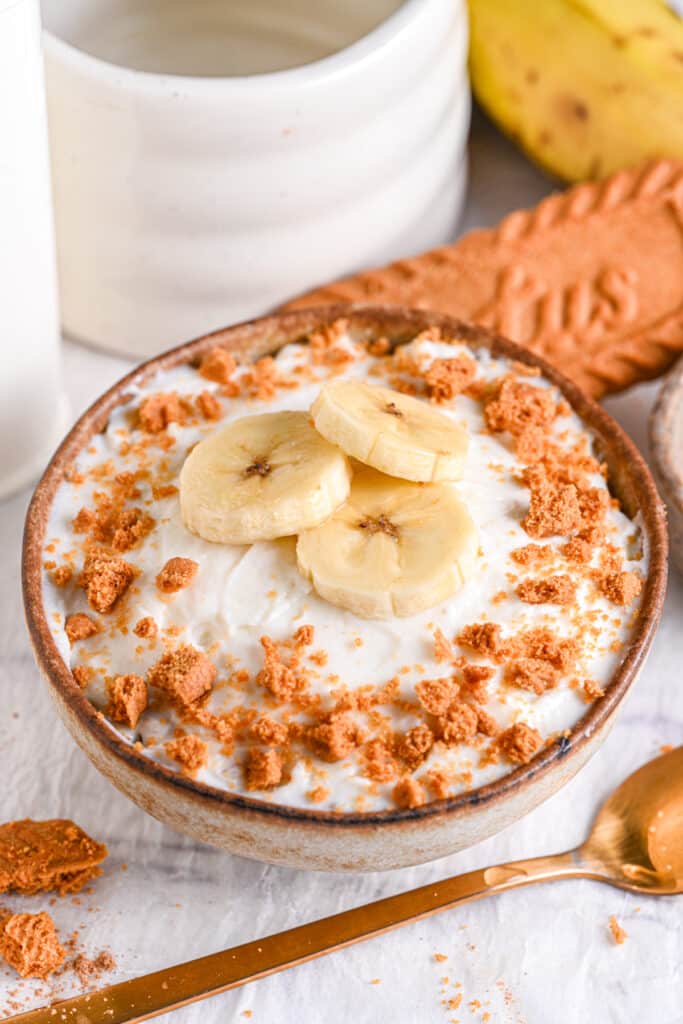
{"type": "Point", "coordinates": [241, 593]}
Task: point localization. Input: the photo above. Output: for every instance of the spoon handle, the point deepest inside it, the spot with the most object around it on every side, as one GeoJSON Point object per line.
{"type": "Point", "coordinates": [147, 996]}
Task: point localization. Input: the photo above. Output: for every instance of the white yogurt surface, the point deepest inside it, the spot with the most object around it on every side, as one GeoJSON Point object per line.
{"type": "Point", "coordinates": [241, 593]}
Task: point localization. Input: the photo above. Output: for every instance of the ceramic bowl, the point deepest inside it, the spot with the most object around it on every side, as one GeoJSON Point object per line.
{"type": "Point", "coordinates": [318, 839]}
{"type": "Point", "coordinates": [190, 200]}
{"type": "Point", "coordinates": [666, 445]}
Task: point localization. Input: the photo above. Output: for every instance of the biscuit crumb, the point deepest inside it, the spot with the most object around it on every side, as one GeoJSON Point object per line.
{"type": "Point", "coordinates": [486, 723]}
{"type": "Point", "coordinates": [44, 856]}
{"type": "Point", "coordinates": [533, 554]}
{"type": "Point", "coordinates": [380, 765]}
{"type": "Point", "coordinates": [105, 579]}
{"type": "Point", "coordinates": [185, 674]}
{"type": "Point", "coordinates": [618, 933]}
{"type": "Point", "coordinates": [415, 744]}
{"type": "Point", "coordinates": [440, 958]}
{"type": "Point", "coordinates": [475, 678]}
{"type": "Point", "coordinates": [275, 675]}
{"type": "Point", "coordinates": [158, 411]}
{"type": "Point", "coordinates": [408, 793]}
{"type": "Point", "coordinates": [437, 695]}
{"type": "Point", "coordinates": [517, 405]}
{"type": "Point", "coordinates": [263, 768]}
{"type": "Point", "coordinates": [127, 699]}
{"type": "Point", "coordinates": [530, 445]}
{"type": "Point", "coordinates": [176, 574]}
{"type": "Point", "coordinates": [621, 587]}
{"type": "Point", "coordinates": [190, 752]}
{"type": "Point", "coordinates": [268, 731]}
{"type": "Point", "coordinates": [551, 590]}
{"type": "Point", "coordinates": [378, 346]}
{"type": "Point", "coordinates": [335, 738]}
{"type": "Point", "coordinates": [553, 509]}
{"type": "Point", "coordinates": [79, 627]}
{"type": "Point", "coordinates": [532, 674]}
{"type": "Point", "coordinates": [304, 636]}
{"type": "Point", "coordinates": [578, 550]}
{"type": "Point", "coordinates": [459, 725]}
{"type": "Point", "coordinates": [62, 575]}
{"type": "Point", "coordinates": [520, 742]}
{"type": "Point", "coordinates": [442, 647]}
{"type": "Point", "coordinates": [82, 674]}
{"type": "Point", "coordinates": [88, 970]}
{"type": "Point", "coordinates": [447, 378]}
{"type": "Point", "coordinates": [318, 794]}
{"type": "Point", "coordinates": [29, 943]}
{"type": "Point", "coordinates": [483, 638]}
{"type": "Point", "coordinates": [217, 365]}
{"type": "Point", "coordinates": [209, 406]}
{"type": "Point", "coordinates": [146, 628]}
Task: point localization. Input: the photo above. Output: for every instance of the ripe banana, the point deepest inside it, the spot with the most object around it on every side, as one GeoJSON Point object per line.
{"type": "Point", "coordinates": [393, 548]}
{"type": "Point", "coordinates": [392, 432]}
{"type": "Point", "coordinates": [586, 87]}
{"type": "Point", "coordinates": [262, 477]}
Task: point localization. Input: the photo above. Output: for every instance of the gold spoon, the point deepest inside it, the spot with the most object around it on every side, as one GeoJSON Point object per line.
{"type": "Point", "coordinates": [636, 844]}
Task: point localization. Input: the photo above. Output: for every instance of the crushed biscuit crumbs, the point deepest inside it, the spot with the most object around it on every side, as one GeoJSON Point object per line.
{"type": "Point", "coordinates": [177, 574]}
{"type": "Point", "coordinates": [80, 626]}
{"type": "Point", "coordinates": [190, 752]}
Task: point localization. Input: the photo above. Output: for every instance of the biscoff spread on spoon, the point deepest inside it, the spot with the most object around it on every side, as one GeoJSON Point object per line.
{"type": "Point", "coordinates": [350, 577]}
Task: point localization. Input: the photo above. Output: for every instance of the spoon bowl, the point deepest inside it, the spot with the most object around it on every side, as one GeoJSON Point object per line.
{"type": "Point", "coordinates": [637, 836]}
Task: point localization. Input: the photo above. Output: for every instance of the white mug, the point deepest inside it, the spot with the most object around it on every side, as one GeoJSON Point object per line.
{"type": "Point", "coordinates": [191, 193]}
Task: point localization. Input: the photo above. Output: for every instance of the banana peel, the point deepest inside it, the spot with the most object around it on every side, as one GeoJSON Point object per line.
{"type": "Point", "coordinates": [585, 87]}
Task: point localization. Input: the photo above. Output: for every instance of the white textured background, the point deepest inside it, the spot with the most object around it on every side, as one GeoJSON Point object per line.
{"type": "Point", "coordinates": [539, 956]}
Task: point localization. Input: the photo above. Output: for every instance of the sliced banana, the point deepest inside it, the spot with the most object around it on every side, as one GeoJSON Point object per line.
{"type": "Point", "coordinates": [392, 432]}
{"type": "Point", "coordinates": [262, 477]}
{"type": "Point", "coordinates": [393, 548]}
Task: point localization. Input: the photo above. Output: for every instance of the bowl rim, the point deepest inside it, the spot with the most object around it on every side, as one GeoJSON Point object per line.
{"type": "Point", "coordinates": [356, 53]}
{"type": "Point", "coordinates": [265, 335]}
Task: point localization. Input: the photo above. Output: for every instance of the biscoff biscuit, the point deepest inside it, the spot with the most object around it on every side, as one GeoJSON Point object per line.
{"type": "Point", "coordinates": [591, 278]}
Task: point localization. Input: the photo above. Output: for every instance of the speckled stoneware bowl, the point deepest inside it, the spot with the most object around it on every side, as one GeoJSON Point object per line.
{"type": "Point", "coordinates": [666, 444]}
{"type": "Point", "coordinates": [319, 839]}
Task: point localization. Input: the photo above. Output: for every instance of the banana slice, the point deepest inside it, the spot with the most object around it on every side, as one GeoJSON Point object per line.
{"type": "Point", "coordinates": [262, 477]}
{"type": "Point", "coordinates": [394, 433]}
{"type": "Point", "coordinates": [393, 548]}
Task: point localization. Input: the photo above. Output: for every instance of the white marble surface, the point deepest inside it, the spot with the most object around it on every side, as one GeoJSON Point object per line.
{"type": "Point", "coordinates": [538, 956]}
